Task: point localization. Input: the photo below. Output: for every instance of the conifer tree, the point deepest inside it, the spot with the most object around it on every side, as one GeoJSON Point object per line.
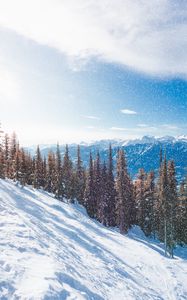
{"type": "Point", "coordinates": [166, 209]}
{"type": "Point", "coordinates": [172, 207]}
{"type": "Point", "coordinates": [13, 145]}
{"type": "Point", "coordinates": [59, 193]}
{"type": "Point", "coordinates": [38, 179]}
{"type": "Point", "coordinates": [89, 197]}
{"type": "Point", "coordinates": [22, 167]}
{"type": "Point", "coordinates": [67, 171]}
{"type": "Point", "coordinates": [79, 178]}
{"type": "Point", "coordinates": [50, 174]}
{"type": "Point", "coordinates": [162, 201]}
{"type": "Point", "coordinates": [14, 155]}
{"type": "Point", "coordinates": [15, 166]}
{"type": "Point", "coordinates": [140, 198]}
{"type": "Point", "coordinates": [103, 213]}
{"type": "Point", "coordinates": [30, 171]}
{"type": "Point", "coordinates": [97, 185]}
{"type": "Point", "coordinates": [2, 164]}
{"type": "Point", "coordinates": [135, 210]}
{"type": "Point", "coordinates": [123, 197]}
{"type": "Point", "coordinates": [44, 172]}
{"type": "Point", "coordinates": [2, 155]}
{"type": "Point", "coordinates": [111, 193]}
{"type": "Point", "coordinates": [149, 226]}
{"type": "Point", "coordinates": [182, 214]}
{"type": "Point", "coordinates": [6, 155]}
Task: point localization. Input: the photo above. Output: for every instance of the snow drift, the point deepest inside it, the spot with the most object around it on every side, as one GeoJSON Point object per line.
{"type": "Point", "coordinates": [52, 250]}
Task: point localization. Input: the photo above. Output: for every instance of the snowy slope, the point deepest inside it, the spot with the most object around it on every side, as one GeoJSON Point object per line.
{"type": "Point", "coordinates": [52, 250]}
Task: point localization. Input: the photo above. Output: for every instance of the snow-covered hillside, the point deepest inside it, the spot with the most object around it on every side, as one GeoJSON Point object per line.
{"type": "Point", "coordinates": [52, 250]}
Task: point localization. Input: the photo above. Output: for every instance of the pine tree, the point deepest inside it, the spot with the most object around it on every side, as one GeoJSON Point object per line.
{"type": "Point", "coordinates": [161, 157]}
{"type": "Point", "coordinates": [181, 226]}
{"type": "Point", "coordinates": [158, 202]}
{"type": "Point", "coordinates": [172, 207]}
{"type": "Point", "coordinates": [59, 193]}
{"type": "Point", "coordinates": [67, 171]}
{"type": "Point", "coordinates": [23, 168]}
{"type": "Point", "coordinates": [162, 201]}
{"type": "Point", "coordinates": [140, 198]}
{"type": "Point", "coordinates": [6, 155]}
{"type": "Point", "coordinates": [149, 226]}
{"type": "Point", "coordinates": [110, 187]}
{"type": "Point", "coordinates": [2, 156]}
{"type": "Point", "coordinates": [44, 172]}
{"type": "Point", "coordinates": [14, 149]}
{"type": "Point", "coordinates": [89, 197]}
{"type": "Point", "coordinates": [166, 208]}
{"type": "Point", "coordinates": [50, 176]}
{"type": "Point", "coordinates": [15, 167]}
{"type": "Point", "coordinates": [103, 215]}
{"type": "Point", "coordinates": [97, 185]}
{"type": "Point", "coordinates": [123, 197]}
{"type": "Point", "coordinates": [79, 178]}
{"type": "Point", "coordinates": [29, 169]}
{"type": "Point", "coordinates": [13, 145]}
{"type": "Point", "coordinates": [38, 179]}
{"type": "Point", "coordinates": [2, 164]}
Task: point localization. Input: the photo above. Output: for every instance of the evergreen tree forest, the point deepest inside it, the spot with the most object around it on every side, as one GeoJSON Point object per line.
{"type": "Point", "coordinates": [158, 204]}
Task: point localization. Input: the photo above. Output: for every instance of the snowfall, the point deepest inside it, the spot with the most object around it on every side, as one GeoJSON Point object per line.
{"type": "Point", "coordinates": [53, 250]}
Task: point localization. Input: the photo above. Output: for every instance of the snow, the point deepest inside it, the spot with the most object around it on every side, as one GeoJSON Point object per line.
{"type": "Point", "coordinates": [52, 250]}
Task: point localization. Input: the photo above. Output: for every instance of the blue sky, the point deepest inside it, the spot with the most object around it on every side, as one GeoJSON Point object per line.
{"type": "Point", "coordinates": [76, 70]}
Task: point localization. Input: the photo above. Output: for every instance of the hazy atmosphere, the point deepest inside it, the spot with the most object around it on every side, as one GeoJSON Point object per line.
{"type": "Point", "coordinates": [89, 70]}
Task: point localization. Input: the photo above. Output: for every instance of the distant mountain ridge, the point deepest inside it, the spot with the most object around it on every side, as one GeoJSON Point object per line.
{"type": "Point", "coordinates": [140, 153]}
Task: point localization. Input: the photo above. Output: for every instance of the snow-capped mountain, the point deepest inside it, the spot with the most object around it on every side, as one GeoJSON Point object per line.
{"type": "Point", "coordinates": [51, 250]}
{"type": "Point", "coordinates": [140, 153]}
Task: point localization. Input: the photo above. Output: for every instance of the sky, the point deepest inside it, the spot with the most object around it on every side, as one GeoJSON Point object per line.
{"type": "Point", "coordinates": [81, 70]}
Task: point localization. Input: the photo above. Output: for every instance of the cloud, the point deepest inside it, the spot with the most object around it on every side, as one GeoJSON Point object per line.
{"type": "Point", "coordinates": [128, 112]}
{"type": "Point", "coordinates": [170, 127]}
{"type": "Point", "coordinates": [90, 127]}
{"type": "Point", "coordinates": [136, 129]}
{"type": "Point", "coordinates": [147, 36]}
{"type": "Point", "coordinates": [119, 128]}
{"type": "Point", "coordinates": [92, 117]}
{"type": "Point", "coordinates": [143, 125]}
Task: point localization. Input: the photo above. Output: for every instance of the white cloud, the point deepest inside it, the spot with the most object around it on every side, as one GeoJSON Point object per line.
{"type": "Point", "coordinates": [143, 125]}
{"type": "Point", "coordinates": [136, 129]}
{"type": "Point", "coordinates": [148, 36]}
{"type": "Point", "coordinates": [170, 127]}
{"type": "Point", "coordinates": [92, 117]}
{"type": "Point", "coordinates": [128, 112]}
{"type": "Point", "coordinates": [90, 127]}
{"type": "Point", "coordinates": [119, 128]}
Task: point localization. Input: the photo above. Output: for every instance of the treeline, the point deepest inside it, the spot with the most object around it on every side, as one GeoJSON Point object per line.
{"type": "Point", "coordinates": [157, 205]}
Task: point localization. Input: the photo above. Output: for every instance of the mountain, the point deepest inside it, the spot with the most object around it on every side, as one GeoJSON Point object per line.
{"type": "Point", "coordinates": [52, 250]}
{"type": "Point", "coordinates": [141, 153]}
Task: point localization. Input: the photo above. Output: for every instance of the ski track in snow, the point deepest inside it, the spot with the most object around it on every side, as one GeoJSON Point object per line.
{"type": "Point", "coordinates": [52, 250]}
